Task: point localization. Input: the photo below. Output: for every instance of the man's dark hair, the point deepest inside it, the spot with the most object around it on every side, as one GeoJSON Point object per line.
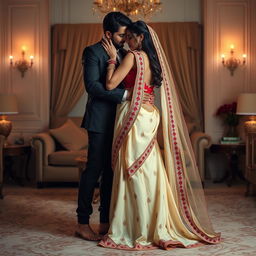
{"type": "Point", "coordinates": [113, 20]}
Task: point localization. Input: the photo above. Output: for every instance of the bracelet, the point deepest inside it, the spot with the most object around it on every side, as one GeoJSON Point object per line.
{"type": "Point", "coordinates": [112, 61]}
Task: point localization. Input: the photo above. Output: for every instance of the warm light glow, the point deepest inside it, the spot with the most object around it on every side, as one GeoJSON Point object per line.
{"type": "Point", "coordinates": [23, 48]}
{"type": "Point", "coordinates": [22, 64]}
{"type": "Point", "coordinates": [4, 121]}
{"type": "Point", "coordinates": [11, 59]}
{"type": "Point", "coordinates": [232, 63]}
{"type": "Point", "coordinates": [142, 9]}
{"type": "Point", "coordinates": [31, 60]}
{"type": "Point", "coordinates": [8, 106]}
{"type": "Point", "coordinates": [3, 118]}
{"type": "Point", "coordinates": [250, 126]}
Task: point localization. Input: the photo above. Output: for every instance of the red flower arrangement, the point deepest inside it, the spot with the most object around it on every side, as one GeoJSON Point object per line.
{"type": "Point", "coordinates": [228, 113]}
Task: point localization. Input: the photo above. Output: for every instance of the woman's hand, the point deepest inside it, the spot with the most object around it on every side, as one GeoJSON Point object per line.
{"type": "Point", "coordinates": [110, 48]}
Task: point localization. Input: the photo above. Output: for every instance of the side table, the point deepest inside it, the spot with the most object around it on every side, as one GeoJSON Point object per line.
{"type": "Point", "coordinates": [250, 170]}
{"type": "Point", "coordinates": [81, 164]}
{"type": "Point", "coordinates": [11, 151]}
{"type": "Point", "coordinates": [232, 152]}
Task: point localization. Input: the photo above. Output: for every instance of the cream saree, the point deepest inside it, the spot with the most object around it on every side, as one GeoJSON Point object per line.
{"type": "Point", "coordinates": [157, 197]}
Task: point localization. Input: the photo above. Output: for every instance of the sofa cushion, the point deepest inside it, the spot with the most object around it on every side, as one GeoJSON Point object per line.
{"type": "Point", "coordinates": [66, 158]}
{"type": "Point", "coordinates": [70, 136]}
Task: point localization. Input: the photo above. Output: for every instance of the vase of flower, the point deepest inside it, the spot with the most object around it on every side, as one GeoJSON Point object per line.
{"type": "Point", "coordinates": [230, 119]}
{"type": "Point", "coordinates": [230, 131]}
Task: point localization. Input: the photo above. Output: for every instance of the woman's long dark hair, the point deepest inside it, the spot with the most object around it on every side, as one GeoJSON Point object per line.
{"type": "Point", "coordinates": [138, 28]}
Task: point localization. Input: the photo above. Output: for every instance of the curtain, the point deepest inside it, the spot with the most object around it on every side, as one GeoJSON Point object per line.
{"type": "Point", "coordinates": [68, 43]}
{"type": "Point", "coordinates": [181, 42]}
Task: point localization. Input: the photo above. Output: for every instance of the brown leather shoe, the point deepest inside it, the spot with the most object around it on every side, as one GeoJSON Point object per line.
{"type": "Point", "coordinates": [85, 232]}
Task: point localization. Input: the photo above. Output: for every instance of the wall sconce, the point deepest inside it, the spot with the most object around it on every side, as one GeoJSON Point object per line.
{"type": "Point", "coordinates": [22, 64]}
{"type": "Point", "coordinates": [232, 63]}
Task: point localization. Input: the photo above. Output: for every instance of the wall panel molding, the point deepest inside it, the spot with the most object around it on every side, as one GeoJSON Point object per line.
{"type": "Point", "coordinates": [226, 22]}
{"type": "Point", "coordinates": [26, 23]}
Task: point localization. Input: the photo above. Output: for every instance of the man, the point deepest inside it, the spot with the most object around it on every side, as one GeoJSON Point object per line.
{"type": "Point", "coordinates": [99, 121]}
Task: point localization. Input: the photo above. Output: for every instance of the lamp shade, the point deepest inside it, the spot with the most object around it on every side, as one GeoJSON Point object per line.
{"type": "Point", "coordinates": [8, 104]}
{"type": "Point", "coordinates": [246, 104]}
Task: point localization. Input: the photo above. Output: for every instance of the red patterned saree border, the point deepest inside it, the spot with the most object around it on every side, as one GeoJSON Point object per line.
{"type": "Point", "coordinates": [133, 111]}
{"type": "Point", "coordinates": [179, 171]}
{"type": "Point", "coordinates": [142, 158]}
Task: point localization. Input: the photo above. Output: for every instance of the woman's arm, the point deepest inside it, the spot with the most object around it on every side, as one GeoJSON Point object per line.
{"type": "Point", "coordinates": [115, 77]}
{"type": "Point", "coordinates": [92, 82]}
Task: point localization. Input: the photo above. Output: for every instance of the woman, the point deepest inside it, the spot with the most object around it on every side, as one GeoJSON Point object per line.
{"type": "Point", "coordinates": [157, 198]}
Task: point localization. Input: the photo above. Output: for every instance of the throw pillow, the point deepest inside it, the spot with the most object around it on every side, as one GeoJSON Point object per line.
{"type": "Point", "coordinates": [70, 136]}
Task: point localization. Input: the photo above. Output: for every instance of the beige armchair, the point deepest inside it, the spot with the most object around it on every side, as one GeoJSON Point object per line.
{"type": "Point", "coordinates": [54, 163]}
{"type": "Point", "coordinates": [200, 142]}
{"type": "Point", "coordinates": [2, 138]}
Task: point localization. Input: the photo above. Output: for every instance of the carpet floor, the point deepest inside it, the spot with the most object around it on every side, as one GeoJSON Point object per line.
{"type": "Point", "coordinates": [42, 222]}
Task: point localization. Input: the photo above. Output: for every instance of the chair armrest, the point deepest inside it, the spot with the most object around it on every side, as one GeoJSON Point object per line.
{"type": "Point", "coordinates": [44, 145]}
{"type": "Point", "coordinates": [200, 141]}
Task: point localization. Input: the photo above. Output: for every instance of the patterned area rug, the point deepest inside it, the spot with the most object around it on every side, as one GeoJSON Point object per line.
{"type": "Point", "coordinates": [42, 222]}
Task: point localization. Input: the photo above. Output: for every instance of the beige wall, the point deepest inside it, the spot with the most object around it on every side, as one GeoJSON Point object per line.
{"type": "Point", "coordinates": [26, 23]}
{"type": "Point", "coordinates": [227, 22]}
{"type": "Point", "coordinates": [80, 11]}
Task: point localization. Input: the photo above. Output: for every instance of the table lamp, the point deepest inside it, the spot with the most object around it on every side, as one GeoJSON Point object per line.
{"type": "Point", "coordinates": [246, 105]}
{"type": "Point", "coordinates": [8, 106]}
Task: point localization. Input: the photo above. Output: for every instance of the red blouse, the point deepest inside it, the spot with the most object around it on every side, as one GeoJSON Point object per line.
{"type": "Point", "coordinates": [129, 81]}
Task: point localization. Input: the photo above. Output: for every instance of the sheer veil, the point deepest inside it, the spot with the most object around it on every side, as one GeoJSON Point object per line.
{"type": "Point", "coordinates": [181, 168]}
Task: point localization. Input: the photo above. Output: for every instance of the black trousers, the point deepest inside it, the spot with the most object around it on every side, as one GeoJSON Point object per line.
{"type": "Point", "coordinates": [98, 164]}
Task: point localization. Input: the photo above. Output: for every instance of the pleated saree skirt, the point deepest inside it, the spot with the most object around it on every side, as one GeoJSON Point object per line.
{"type": "Point", "coordinates": [144, 213]}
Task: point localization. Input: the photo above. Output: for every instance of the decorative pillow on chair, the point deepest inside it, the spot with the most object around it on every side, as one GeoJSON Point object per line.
{"type": "Point", "coordinates": [70, 136]}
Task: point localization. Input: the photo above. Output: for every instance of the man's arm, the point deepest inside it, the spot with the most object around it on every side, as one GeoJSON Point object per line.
{"type": "Point", "coordinates": [92, 82]}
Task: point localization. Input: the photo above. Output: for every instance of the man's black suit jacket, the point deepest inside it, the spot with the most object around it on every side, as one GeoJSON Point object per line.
{"type": "Point", "coordinates": [101, 105]}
